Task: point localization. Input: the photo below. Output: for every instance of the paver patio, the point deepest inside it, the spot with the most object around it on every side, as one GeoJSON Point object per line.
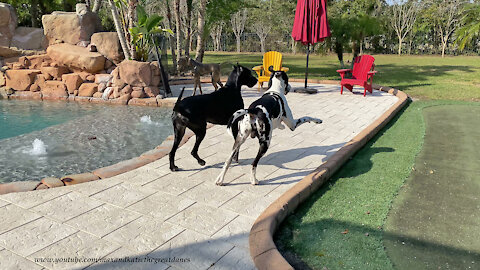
{"type": "Point", "coordinates": [180, 220]}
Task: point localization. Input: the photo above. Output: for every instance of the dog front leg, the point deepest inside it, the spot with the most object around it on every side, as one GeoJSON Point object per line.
{"type": "Point", "coordinates": [292, 123]}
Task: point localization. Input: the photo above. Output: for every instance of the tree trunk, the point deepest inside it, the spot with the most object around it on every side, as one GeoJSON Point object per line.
{"type": "Point", "coordinates": [201, 31]}
{"type": "Point", "coordinates": [132, 19]}
{"type": "Point", "coordinates": [96, 6]}
{"type": "Point", "coordinates": [339, 52]}
{"type": "Point", "coordinates": [178, 28]}
{"type": "Point", "coordinates": [239, 41]}
{"type": "Point", "coordinates": [172, 41]}
{"type": "Point", "coordinates": [262, 44]}
{"type": "Point", "coordinates": [34, 13]}
{"type": "Point", "coordinates": [118, 27]}
{"type": "Point", "coordinates": [189, 27]}
{"type": "Point", "coordinates": [294, 46]}
{"type": "Point", "coordinates": [444, 45]}
{"type": "Point", "coordinates": [400, 41]}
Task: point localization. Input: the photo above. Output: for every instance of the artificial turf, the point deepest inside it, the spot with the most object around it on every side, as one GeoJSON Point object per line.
{"type": "Point", "coordinates": [435, 220]}
{"type": "Point", "coordinates": [341, 225]}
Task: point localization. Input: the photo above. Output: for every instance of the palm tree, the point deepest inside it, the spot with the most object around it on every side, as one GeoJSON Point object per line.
{"type": "Point", "coordinates": [470, 26]}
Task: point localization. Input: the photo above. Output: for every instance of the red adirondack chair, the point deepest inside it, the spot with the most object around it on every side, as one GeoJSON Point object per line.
{"type": "Point", "coordinates": [362, 74]}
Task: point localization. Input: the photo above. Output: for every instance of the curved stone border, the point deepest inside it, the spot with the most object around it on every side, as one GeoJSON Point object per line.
{"type": "Point", "coordinates": [263, 251]}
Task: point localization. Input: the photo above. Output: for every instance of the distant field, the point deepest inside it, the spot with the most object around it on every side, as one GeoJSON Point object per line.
{"type": "Point", "coordinates": [424, 77]}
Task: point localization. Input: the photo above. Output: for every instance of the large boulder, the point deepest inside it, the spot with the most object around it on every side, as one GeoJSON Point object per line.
{"type": "Point", "coordinates": [54, 89]}
{"type": "Point", "coordinates": [76, 57]}
{"type": "Point", "coordinates": [72, 81]}
{"type": "Point", "coordinates": [135, 73]}
{"type": "Point", "coordinates": [70, 27]}
{"type": "Point", "coordinates": [108, 45]}
{"type": "Point", "coordinates": [20, 80]}
{"type": "Point", "coordinates": [29, 38]}
{"type": "Point", "coordinates": [37, 61]}
{"type": "Point", "coordinates": [9, 52]}
{"type": "Point", "coordinates": [87, 89]}
{"type": "Point", "coordinates": [8, 23]}
{"type": "Point", "coordinates": [54, 72]}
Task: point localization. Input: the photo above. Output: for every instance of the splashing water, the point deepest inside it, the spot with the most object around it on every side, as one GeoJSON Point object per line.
{"type": "Point", "coordinates": [148, 120]}
{"type": "Point", "coordinates": [38, 148]}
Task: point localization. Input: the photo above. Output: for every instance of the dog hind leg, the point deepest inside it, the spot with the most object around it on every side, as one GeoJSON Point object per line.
{"type": "Point", "coordinates": [200, 135]}
{"type": "Point", "coordinates": [261, 151]}
{"type": "Point", "coordinates": [179, 130]}
{"type": "Point", "coordinates": [236, 147]}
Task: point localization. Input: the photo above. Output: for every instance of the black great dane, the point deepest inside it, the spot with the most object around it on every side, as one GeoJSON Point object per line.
{"type": "Point", "coordinates": [194, 112]}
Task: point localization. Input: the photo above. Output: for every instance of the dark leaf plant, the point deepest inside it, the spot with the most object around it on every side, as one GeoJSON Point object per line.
{"type": "Point", "coordinates": [143, 35]}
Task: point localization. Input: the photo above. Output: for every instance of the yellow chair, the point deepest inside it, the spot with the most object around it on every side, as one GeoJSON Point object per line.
{"type": "Point", "coordinates": [271, 58]}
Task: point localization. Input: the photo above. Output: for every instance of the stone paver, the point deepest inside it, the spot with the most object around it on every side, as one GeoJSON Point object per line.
{"type": "Point", "coordinates": [145, 234]}
{"type": "Point", "coordinates": [197, 251]}
{"type": "Point", "coordinates": [82, 246]}
{"type": "Point", "coordinates": [103, 220]}
{"type": "Point", "coordinates": [31, 199]}
{"type": "Point", "coordinates": [3, 203]}
{"type": "Point", "coordinates": [203, 218]}
{"type": "Point", "coordinates": [35, 236]}
{"type": "Point", "coordinates": [237, 258]}
{"type": "Point", "coordinates": [13, 216]}
{"type": "Point", "coordinates": [161, 205]}
{"type": "Point", "coordinates": [10, 260]}
{"type": "Point", "coordinates": [124, 259]}
{"type": "Point", "coordinates": [180, 220]}
{"type": "Point", "coordinates": [123, 195]}
{"type": "Point", "coordinates": [67, 206]}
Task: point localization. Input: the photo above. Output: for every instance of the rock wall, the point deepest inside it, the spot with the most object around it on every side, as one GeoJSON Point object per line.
{"type": "Point", "coordinates": [8, 23]}
{"type": "Point", "coordinates": [58, 75]}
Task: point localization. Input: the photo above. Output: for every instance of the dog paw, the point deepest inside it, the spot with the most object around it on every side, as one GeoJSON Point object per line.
{"type": "Point", "coordinates": [174, 168]}
{"type": "Point", "coordinates": [219, 181]}
{"type": "Point", "coordinates": [317, 121]}
{"type": "Point", "coordinates": [254, 182]}
{"type": "Point", "coordinates": [201, 162]}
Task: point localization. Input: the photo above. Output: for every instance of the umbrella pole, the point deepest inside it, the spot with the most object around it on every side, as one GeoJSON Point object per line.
{"type": "Point", "coordinates": [306, 69]}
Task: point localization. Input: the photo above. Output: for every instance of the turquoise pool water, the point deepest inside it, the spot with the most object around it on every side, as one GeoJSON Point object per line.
{"type": "Point", "coordinates": [40, 139]}
{"type": "Point", "coordinates": [20, 117]}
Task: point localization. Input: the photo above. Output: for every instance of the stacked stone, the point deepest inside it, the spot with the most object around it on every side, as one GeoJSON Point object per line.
{"type": "Point", "coordinates": [138, 82]}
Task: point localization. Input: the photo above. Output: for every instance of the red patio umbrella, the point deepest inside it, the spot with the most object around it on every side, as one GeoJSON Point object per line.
{"type": "Point", "coordinates": [310, 25]}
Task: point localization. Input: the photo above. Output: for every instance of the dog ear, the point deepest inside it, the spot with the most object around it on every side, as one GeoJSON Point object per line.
{"type": "Point", "coordinates": [270, 68]}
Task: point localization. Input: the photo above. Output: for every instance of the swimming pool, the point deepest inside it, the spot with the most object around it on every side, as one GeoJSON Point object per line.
{"type": "Point", "coordinates": [40, 139]}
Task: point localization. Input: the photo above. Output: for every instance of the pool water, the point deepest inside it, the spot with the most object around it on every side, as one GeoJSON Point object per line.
{"type": "Point", "coordinates": [40, 139]}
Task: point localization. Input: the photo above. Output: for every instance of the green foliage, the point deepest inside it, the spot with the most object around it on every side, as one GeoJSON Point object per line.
{"type": "Point", "coordinates": [24, 9]}
{"type": "Point", "coordinates": [470, 30]}
{"type": "Point", "coordinates": [143, 35]}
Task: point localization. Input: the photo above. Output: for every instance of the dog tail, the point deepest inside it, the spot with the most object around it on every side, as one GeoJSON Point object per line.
{"type": "Point", "coordinates": [180, 96]}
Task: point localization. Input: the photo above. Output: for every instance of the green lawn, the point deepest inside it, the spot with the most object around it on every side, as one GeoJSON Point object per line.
{"type": "Point", "coordinates": [426, 77]}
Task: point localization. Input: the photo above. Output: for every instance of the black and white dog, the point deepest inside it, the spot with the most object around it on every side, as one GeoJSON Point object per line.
{"type": "Point", "coordinates": [194, 112]}
{"type": "Point", "coordinates": [259, 120]}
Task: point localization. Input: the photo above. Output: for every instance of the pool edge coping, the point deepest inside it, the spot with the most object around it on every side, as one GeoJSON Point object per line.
{"type": "Point", "coordinates": [263, 250]}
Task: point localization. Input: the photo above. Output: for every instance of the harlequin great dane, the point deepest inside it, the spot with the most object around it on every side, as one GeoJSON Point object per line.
{"type": "Point", "coordinates": [259, 120]}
